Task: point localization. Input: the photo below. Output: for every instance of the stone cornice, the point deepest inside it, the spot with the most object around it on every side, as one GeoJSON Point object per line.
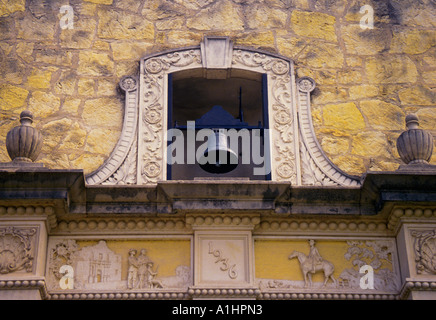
{"type": "Point", "coordinates": [416, 285]}
{"type": "Point", "coordinates": [402, 214]}
{"type": "Point", "coordinates": [44, 212]}
{"type": "Point", "coordinates": [26, 284]}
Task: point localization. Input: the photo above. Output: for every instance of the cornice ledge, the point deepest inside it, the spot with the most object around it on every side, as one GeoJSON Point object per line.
{"type": "Point", "coordinates": [416, 214]}
{"type": "Point", "coordinates": [46, 212]}
{"type": "Point", "coordinates": [416, 285]}
{"type": "Point", "coordinates": [202, 221]}
{"type": "Point", "coordinates": [26, 284]}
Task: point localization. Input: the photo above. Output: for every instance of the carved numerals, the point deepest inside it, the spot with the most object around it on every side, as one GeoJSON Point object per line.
{"type": "Point", "coordinates": [224, 263]}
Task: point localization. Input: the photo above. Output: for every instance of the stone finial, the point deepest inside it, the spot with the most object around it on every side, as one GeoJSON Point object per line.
{"type": "Point", "coordinates": [415, 146]}
{"type": "Point", "coordinates": [24, 142]}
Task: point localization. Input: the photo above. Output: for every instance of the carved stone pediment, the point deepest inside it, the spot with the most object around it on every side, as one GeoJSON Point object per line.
{"type": "Point", "coordinates": [139, 157]}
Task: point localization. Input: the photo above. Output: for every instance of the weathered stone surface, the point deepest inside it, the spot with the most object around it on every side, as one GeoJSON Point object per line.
{"type": "Point", "coordinates": [81, 36]}
{"type": "Point", "coordinates": [265, 17]}
{"type": "Point", "coordinates": [256, 40]}
{"type": "Point", "coordinates": [221, 16]}
{"type": "Point", "coordinates": [31, 28]}
{"type": "Point", "coordinates": [369, 143]}
{"type": "Point", "coordinates": [350, 164]}
{"type": "Point", "coordinates": [122, 25]}
{"type": "Point", "coordinates": [127, 50]}
{"type": "Point", "coordinates": [427, 119]}
{"type": "Point", "coordinates": [25, 50]}
{"type": "Point", "coordinates": [335, 145]}
{"type": "Point", "coordinates": [314, 24]}
{"type": "Point", "coordinates": [95, 137]}
{"type": "Point", "coordinates": [95, 64]}
{"type": "Point", "coordinates": [100, 1]}
{"type": "Point", "coordinates": [391, 69]}
{"type": "Point", "coordinates": [172, 23]}
{"type": "Point", "coordinates": [75, 139]}
{"type": "Point", "coordinates": [343, 116]}
{"type": "Point", "coordinates": [43, 104]}
{"type": "Point", "coordinates": [87, 162]}
{"type": "Point", "coordinates": [329, 95]}
{"type": "Point", "coordinates": [365, 41]}
{"type": "Point", "coordinates": [13, 70]}
{"type": "Point", "coordinates": [106, 87]}
{"type": "Point", "coordinates": [39, 79]}
{"type": "Point", "coordinates": [290, 46]}
{"type": "Point", "coordinates": [350, 76]}
{"type": "Point", "coordinates": [12, 97]}
{"type": "Point", "coordinates": [103, 112]}
{"type": "Point", "coordinates": [181, 38]}
{"type": "Point", "coordinates": [322, 55]}
{"type": "Point", "coordinates": [66, 83]}
{"type": "Point", "coordinates": [412, 41]}
{"type": "Point", "coordinates": [71, 105]}
{"type": "Point", "coordinates": [363, 91]}
{"type": "Point", "coordinates": [53, 56]}
{"type": "Point", "coordinates": [382, 115]}
{"type": "Point", "coordinates": [54, 132]}
{"type": "Point", "coordinates": [86, 87]}
{"type": "Point", "coordinates": [11, 6]}
{"type": "Point", "coordinates": [417, 95]}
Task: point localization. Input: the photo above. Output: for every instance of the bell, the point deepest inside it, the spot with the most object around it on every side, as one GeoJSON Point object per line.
{"type": "Point", "coordinates": [218, 157]}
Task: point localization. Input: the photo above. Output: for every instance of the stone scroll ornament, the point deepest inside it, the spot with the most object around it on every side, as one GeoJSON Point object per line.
{"type": "Point", "coordinates": [316, 167]}
{"type": "Point", "coordinates": [425, 251]}
{"type": "Point", "coordinates": [16, 249]}
{"type": "Point", "coordinates": [153, 111]}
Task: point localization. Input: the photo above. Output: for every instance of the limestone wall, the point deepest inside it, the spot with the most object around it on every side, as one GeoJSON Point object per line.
{"type": "Point", "coordinates": [367, 79]}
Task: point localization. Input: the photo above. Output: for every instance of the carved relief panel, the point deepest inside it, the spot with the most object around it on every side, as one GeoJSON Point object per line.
{"type": "Point", "coordinates": [323, 266]}
{"type": "Point", "coordinates": [223, 259]}
{"type": "Point", "coordinates": [424, 247]}
{"type": "Point", "coordinates": [118, 265]}
{"type": "Point", "coordinates": [17, 249]}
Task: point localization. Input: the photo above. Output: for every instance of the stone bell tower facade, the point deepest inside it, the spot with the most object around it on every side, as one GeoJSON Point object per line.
{"type": "Point", "coordinates": [306, 229]}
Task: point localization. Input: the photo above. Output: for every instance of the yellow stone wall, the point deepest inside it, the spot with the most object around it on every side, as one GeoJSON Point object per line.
{"type": "Point", "coordinates": [367, 79]}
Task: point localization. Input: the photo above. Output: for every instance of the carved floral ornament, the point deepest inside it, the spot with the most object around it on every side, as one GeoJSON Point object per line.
{"type": "Point", "coordinates": [140, 156]}
{"type": "Point", "coordinates": [16, 249]}
{"type": "Point", "coordinates": [425, 251]}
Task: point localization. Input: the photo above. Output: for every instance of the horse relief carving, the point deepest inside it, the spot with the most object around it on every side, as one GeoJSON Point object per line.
{"type": "Point", "coordinates": [313, 263]}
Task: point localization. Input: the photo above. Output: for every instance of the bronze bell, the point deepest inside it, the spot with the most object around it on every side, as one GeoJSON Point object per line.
{"type": "Point", "coordinates": [218, 157]}
{"type": "Point", "coordinates": [24, 142]}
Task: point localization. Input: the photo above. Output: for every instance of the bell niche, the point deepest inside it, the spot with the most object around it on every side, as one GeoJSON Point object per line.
{"type": "Point", "coordinates": [217, 127]}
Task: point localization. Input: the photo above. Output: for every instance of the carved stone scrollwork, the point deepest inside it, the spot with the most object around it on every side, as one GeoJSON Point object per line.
{"type": "Point", "coordinates": [120, 167]}
{"type": "Point", "coordinates": [316, 167]}
{"type": "Point", "coordinates": [16, 249]}
{"type": "Point", "coordinates": [425, 251]}
{"type": "Point", "coordinates": [151, 144]}
{"type": "Point", "coordinates": [284, 138]}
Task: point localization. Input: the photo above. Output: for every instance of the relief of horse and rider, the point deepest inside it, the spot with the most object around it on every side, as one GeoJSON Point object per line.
{"type": "Point", "coordinates": [313, 263]}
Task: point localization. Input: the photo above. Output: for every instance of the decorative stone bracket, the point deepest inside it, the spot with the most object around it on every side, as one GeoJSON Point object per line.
{"type": "Point", "coordinates": [139, 157]}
